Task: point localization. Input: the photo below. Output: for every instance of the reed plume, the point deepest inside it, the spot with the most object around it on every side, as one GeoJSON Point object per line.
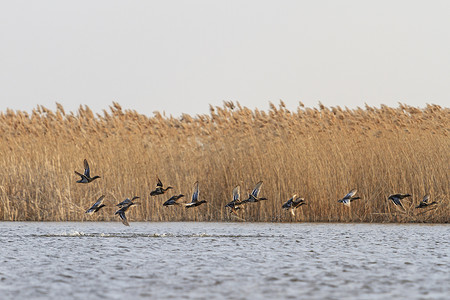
{"type": "Point", "coordinates": [317, 153]}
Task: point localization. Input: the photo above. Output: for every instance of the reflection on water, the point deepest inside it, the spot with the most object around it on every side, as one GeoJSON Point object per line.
{"type": "Point", "coordinates": [224, 260]}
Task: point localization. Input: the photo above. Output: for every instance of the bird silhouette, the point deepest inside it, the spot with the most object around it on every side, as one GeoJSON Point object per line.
{"type": "Point", "coordinates": [159, 188]}
{"type": "Point", "coordinates": [195, 201]}
{"type": "Point", "coordinates": [253, 196]}
{"type": "Point", "coordinates": [96, 206]}
{"type": "Point", "coordinates": [86, 177]}
{"type": "Point", "coordinates": [396, 199]}
{"type": "Point", "coordinates": [349, 198]}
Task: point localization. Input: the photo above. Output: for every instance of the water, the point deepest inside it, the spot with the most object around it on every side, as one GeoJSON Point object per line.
{"type": "Point", "coordinates": [223, 261]}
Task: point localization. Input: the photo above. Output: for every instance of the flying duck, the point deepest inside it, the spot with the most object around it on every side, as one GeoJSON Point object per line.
{"type": "Point", "coordinates": [173, 200]}
{"type": "Point", "coordinates": [159, 188]}
{"type": "Point", "coordinates": [425, 203]}
{"type": "Point", "coordinates": [395, 198]}
{"type": "Point", "coordinates": [234, 205]}
{"type": "Point", "coordinates": [96, 206]}
{"type": "Point", "coordinates": [122, 210]}
{"type": "Point", "coordinates": [126, 202]}
{"type": "Point", "coordinates": [253, 196]}
{"type": "Point", "coordinates": [195, 201]}
{"type": "Point", "coordinates": [349, 197]}
{"type": "Point", "coordinates": [293, 203]}
{"type": "Point", "coordinates": [86, 177]}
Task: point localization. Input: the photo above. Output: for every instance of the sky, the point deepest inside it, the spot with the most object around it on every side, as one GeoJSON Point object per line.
{"type": "Point", "coordinates": [182, 56]}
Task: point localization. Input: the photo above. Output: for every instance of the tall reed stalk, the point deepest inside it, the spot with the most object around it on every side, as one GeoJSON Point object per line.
{"type": "Point", "coordinates": [319, 154]}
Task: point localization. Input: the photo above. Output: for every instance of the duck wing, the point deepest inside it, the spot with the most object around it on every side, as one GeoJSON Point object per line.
{"type": "Point", "coordinates": [94, 206]}
{"type": "Point", "coordinates": [170, 202]}
{"type": "Point", "coordinates": [123, 217]}
{"type": "Point", "coordinates": [87, 171]}
{"type": "Point", "coordinates": [350, 194]}
{"type": "Point", "coordinates": [79, 174]}
{"type": "Point", "coordinates": [99, 201]}
{"type": "Point", "coordinates": [159, 183]}
{"type": "Point", "coordinates": [396, 201]}
{"type": "Point", "coordinates": [83, 179]}
{"type": "Point", "coordinates": [236, 193]}
{"type": "Point", "coordinates": [426, 198]}
{"type": "Point", "coordinates": [195, 193]}
{"type": "Point", "coordinates": [256, 190]}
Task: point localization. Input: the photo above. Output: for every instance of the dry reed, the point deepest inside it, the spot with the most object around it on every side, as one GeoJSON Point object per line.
{"type": "Point", "coordinates": [319, 154]}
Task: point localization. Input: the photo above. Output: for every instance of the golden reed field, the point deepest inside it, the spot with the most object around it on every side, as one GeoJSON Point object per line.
{"type": "Point", "coordinates": [319, 154]}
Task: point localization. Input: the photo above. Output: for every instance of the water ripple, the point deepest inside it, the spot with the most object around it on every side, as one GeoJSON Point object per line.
{"type": "Point", "coordinates": [223, 261]}
{"type": "Point", "coordinates": [147, 235]}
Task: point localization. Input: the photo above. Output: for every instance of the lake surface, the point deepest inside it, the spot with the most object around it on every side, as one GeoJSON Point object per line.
{"type": "Point", "coordinates": [223, 261]}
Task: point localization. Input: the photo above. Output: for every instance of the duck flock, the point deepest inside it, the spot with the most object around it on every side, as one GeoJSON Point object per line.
{"type": "Point", "coordinates": [235, 204]}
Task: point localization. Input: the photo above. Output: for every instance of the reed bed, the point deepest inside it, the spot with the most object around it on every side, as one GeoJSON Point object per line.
{"type": "Point", "coordinates": [317, 153]}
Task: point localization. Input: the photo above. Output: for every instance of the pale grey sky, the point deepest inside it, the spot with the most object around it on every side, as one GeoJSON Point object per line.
{"type": "Point", "coordinates": [181, 56]}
